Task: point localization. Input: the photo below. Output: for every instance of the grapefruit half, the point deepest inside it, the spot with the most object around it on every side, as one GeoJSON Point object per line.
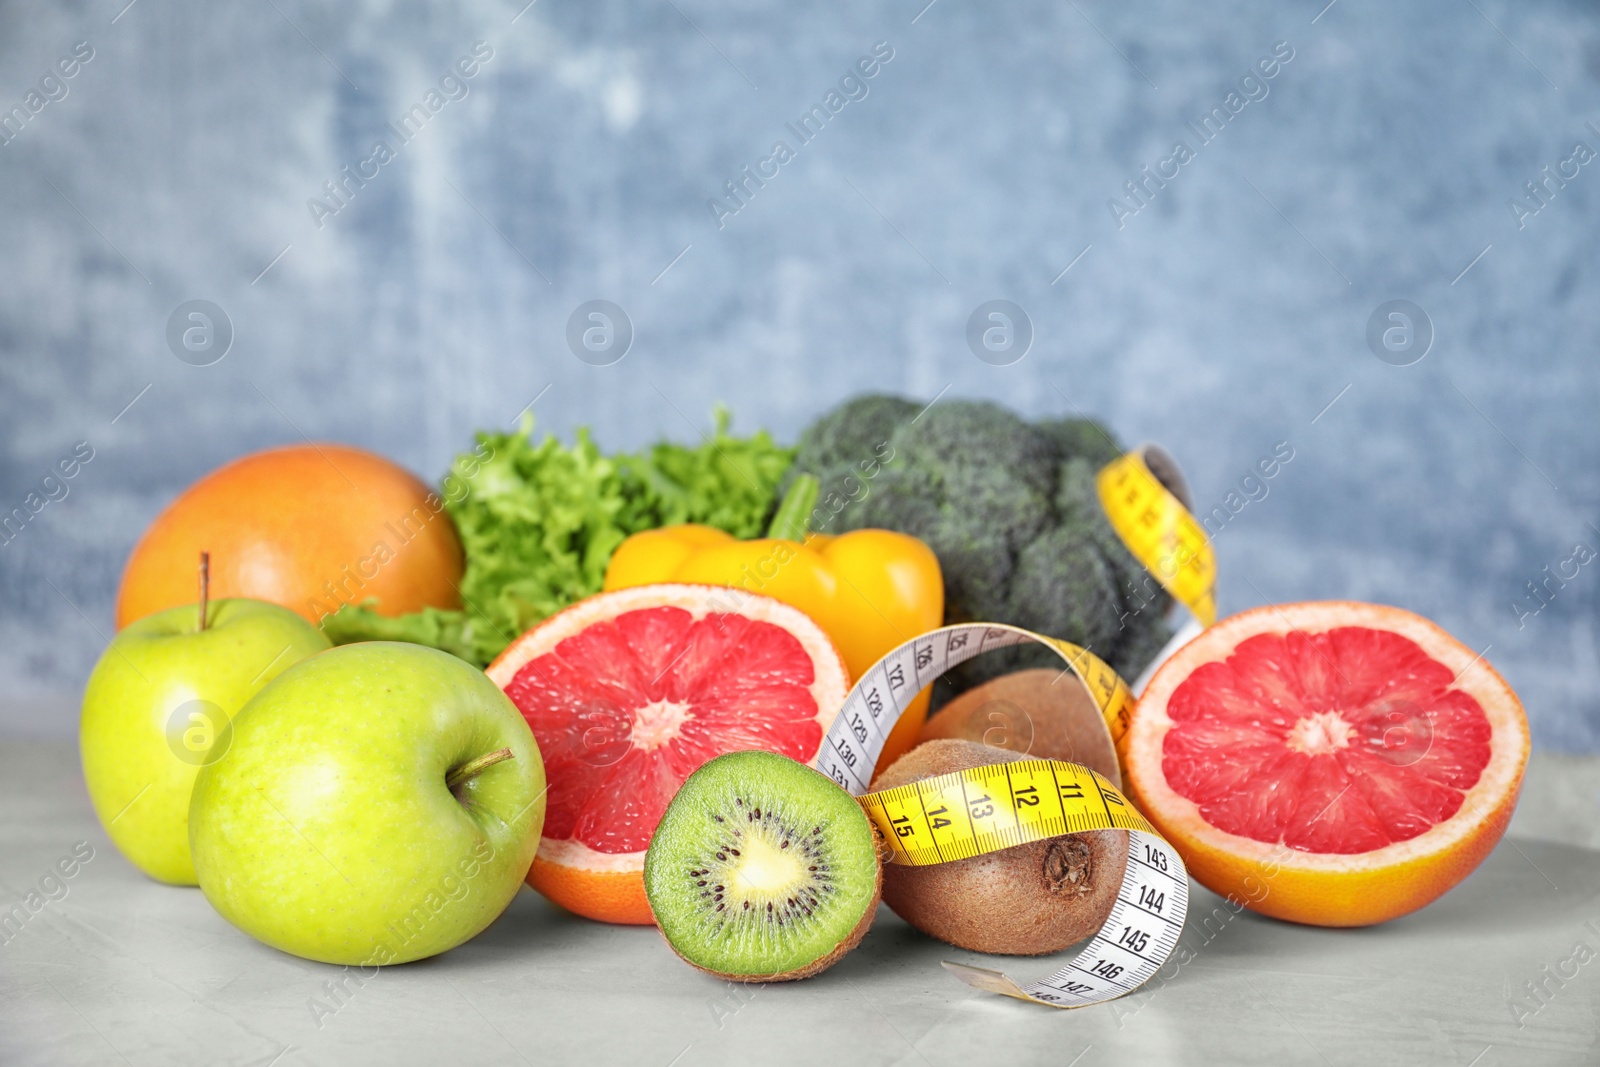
{"type": "Point", "coordinates": [1330, 763]}
{"type": "Point", "coordinates": [629, 692]}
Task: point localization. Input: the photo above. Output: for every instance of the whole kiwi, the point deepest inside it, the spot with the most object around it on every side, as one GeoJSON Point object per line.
{"type": "Point", "coordinates": [1021, 901]}
{"type": "Point", "coordinates": [1042, 713]}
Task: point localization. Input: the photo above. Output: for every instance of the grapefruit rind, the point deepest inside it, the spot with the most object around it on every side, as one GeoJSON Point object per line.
{"type": "Point", "coordinates": [568, 852]}
{"type": "Point", "coordinates": [611, 896]}
{"type": "Point", "coordinates": [1331, 889]}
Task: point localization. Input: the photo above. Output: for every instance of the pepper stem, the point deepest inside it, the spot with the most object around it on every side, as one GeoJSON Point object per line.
{"type": "Point", "coordinates": [791, 522]}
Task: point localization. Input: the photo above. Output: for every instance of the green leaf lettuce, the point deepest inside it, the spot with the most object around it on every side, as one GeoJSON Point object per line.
{"type": "Point", "coordinates": [539, 522]}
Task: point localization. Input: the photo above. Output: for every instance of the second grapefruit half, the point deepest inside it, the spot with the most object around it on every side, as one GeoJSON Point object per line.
{"type": "Point", "coordinates": [1331, 763]}
{"type": "Point", "coordinates": [630, 692]}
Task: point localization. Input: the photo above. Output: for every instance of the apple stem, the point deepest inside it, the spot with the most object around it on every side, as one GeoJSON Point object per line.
{"type": "Point", "coordinates": [205, 586]}
{"type": "Point", "coordinates": [472, 768]}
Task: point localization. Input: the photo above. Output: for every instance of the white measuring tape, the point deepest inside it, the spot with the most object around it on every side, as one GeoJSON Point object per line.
{"type": "Point", "coordinates": [937, 820]}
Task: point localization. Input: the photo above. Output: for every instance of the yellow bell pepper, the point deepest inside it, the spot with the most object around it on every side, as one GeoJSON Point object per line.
{"type": "Point", "coordinates": [869, 590]}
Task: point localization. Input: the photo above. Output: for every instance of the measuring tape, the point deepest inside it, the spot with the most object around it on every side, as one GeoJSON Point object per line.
{"type": "Point", "coordinates": [1158, 528]}
{"type": "Point", "coordinates": [986, 809]}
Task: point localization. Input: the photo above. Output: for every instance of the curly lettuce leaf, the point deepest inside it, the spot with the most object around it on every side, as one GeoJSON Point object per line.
{"type": "Point", "coordinates": [539, 521]}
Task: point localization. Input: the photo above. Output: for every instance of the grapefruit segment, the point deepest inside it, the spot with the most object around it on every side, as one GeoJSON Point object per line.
{"type": "Point", "coordinates": [630, 692]}
{"type": "Point", "coordinates": [1331, 763]}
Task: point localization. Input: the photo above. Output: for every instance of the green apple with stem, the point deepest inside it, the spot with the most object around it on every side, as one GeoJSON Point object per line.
{"type": "Point", "coordinates": [159, 705]}
{"type": "Point", "coordinates": [380, 803]}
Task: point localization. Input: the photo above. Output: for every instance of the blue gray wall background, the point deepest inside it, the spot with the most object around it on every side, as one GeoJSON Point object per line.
{"type": "Point", "coordinates": [1225, 316]}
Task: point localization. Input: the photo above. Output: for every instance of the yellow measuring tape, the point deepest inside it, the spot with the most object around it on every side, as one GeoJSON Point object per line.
{"type": "Point", "coordinates": [1158, 529]}
{"type": "Point", "coordinates": [985, 809]}
{"type": "Point", "coordinates": [968, 813]}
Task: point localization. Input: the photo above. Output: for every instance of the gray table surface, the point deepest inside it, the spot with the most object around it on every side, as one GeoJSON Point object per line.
{"type": "Point", "coordinates": [122, 970]}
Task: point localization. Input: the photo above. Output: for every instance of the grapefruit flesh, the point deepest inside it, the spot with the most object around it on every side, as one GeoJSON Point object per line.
{"type": "Point", "coordinates": [1331, 763]}
{"type": "Point", "coordinates": [310, 527]}
{"type": "Point", "coordinates": [630, 692]}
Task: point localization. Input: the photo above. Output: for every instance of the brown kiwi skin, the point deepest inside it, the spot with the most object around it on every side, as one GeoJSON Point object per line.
{"type": "Point", "coordinates": [1041, 713]}
{"type": "Point", "coordinates": [817, 966]}
{"type": "Point", "coordinates": [1015, 902]}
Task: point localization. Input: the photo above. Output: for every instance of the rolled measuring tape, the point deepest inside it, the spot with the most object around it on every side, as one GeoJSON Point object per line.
{"type": "Point", "coordinates": [1155, 522]}
{"type": "Point", "coordinates": [985, 809]}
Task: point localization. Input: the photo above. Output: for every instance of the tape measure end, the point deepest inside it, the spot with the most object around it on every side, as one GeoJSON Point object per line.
{"type": "Point", "coordinates": [985, 979]}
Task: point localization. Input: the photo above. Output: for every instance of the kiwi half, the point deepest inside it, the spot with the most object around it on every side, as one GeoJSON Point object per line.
{"type": "Point", "coordinates": [1026, 900]}
{"type": "Point", "coordinates": [762, 869]}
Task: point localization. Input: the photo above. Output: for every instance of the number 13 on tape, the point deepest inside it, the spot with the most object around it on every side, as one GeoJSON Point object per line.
{"type": "Point", "coordinates": [968, 813]}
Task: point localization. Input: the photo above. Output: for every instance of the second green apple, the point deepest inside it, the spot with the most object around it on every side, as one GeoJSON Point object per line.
{"type": "Point", "coordinates": [381, 803]}
{"type": "Point", "coordinates": [160, 704]}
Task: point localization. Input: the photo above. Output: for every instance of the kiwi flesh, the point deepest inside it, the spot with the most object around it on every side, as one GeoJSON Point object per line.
{"type": "Point", "coordinates": [762, 870]}
{"type": "Point", "coordinates": [1042, 713]}
{"type": "Point", "coordinates": [1026, 900]}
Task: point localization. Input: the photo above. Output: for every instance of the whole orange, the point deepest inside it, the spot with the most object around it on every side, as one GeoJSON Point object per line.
{"type": "Point", "coordinates": [310, 527]}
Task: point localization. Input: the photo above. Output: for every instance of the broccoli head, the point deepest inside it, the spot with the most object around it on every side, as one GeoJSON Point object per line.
{"type": "Point", "coordinates": [1009, 507]}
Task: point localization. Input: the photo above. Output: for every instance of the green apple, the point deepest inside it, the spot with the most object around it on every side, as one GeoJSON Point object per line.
{"type": "Point", "coordinates": [380, 803]}
{"type": "Point", "coordinates": [159, 705]}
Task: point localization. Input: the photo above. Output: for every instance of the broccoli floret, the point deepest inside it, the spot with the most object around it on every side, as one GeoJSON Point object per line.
{"type": "Point", "coordinates": [1011, 510]}
{"type": "Point", "coordinates": [846, 449]}
{"type": "Point", "coordinates": [1082, 439]}
{"type": "Point", "coordinates": [854, 430]}
{"type": "Point", "coordinates": [1062, 584]}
